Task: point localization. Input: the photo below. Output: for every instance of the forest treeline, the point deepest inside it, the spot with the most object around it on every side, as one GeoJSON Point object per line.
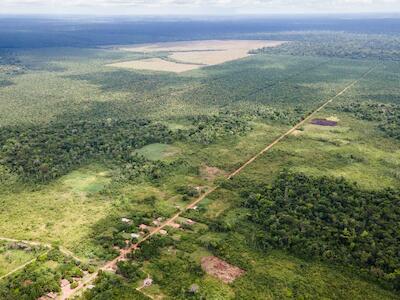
{"type": "Point", "coordinates": [331, 219]}
{"type": "Point", "coordinates": [45, 152]}
{"type": "Point", "coordinates": [341, 45]}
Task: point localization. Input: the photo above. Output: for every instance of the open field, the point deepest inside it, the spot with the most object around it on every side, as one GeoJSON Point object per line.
{"type": "Point", "coordinates": [158, 151]}
{"type": "Point", "coordinates": [190, 55]}
{"type": "Point", "coordinates": [62, 212]}
{"type": "Point", "coordinates": [155, 64]}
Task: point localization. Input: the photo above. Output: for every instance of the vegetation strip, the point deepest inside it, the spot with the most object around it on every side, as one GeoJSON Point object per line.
{"type": "Point", "coordinates": [35, 243]}
{"type": "Point", "coordinates": [124, 252]}
{"type": "Point", "coordinates": [22, 266]}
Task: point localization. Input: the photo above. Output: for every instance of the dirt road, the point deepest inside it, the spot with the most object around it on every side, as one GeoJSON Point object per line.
{"type": "Point", "coordinates": [36, 243]}
{"type": "Point", "coordinates": [111, 265]}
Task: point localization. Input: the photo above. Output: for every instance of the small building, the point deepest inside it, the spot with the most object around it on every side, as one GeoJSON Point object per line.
{"type": "Point", "coordinates": [135, 235]}
{"type": "Point", "coordinates": [51, 295]}
{"type": "Point", "coordinates": [194, 288]}
{"type": "Point", "coordinates": [90, 286]}
{"type": "Point", "coordinates": [190, 222]}
{"type": "Point", "coordinates": [194, 207]}
{"type": "Point", "coordinates": [163, 232]}
{"type": "Point", "coordinates": [148, 282]}
{"type": "Point", "coordinates": [64, 282]}
{"type": "Point", "coordinates": [126, 220]}
{"type": "Point", "coordinates": [143, 227]}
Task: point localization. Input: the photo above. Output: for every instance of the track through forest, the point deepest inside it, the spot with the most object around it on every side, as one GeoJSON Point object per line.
{"type": "Point", "coordinates": [111, 265]}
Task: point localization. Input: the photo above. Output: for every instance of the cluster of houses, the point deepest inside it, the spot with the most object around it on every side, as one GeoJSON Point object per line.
{"type": "Point", "coordinates": [144, 228]}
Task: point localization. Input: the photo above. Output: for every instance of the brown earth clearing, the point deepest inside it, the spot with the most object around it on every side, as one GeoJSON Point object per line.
{"type": "Point", "coordinates": [155, 64]}
{"type": "Point", "coordinates": [210, 173]}
{"type": "Point", "coordinates": [190, 55]}
{"type": "Point", "coordinates": [221, 269]}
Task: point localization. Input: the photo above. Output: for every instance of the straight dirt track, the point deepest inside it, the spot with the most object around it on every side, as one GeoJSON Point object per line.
{"type": "Point", "coordinates": [112, 264]}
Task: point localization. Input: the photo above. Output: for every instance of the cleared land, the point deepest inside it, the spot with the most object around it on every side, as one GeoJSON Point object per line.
{"type": "Point", "coordinates": [155, 64]}
{"type": "Point", "coordinates": [190, 55]}
{"type": "Point", "coordinates": [158, 151]}
{"type": "Point", "coordinates": [220, 269]}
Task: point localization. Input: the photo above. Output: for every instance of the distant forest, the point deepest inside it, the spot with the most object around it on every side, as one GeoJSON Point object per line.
{"type": "Point", "coordinates": [31, 32]}
{"type": "Point", "coordinates": [338, 44]}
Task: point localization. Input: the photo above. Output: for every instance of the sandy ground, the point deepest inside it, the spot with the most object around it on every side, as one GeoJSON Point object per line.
{"type": "Point", "coordinates": [155, 64]}
{"type": "Point", "coordinates": [190, 55]}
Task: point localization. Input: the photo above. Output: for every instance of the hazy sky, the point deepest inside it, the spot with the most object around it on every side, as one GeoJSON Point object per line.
{"type": "Point", "coordinates": [196, 7]}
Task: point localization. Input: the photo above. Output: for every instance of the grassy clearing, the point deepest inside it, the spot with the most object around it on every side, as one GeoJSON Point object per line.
{"type": "Point", "coordinates": [61, 212]}
{"type": "Point", "coordinates": [354, 149]}
{"type": "Point", "coordinates": [11, 259]}
{"type": "Point", "coordinates": [86, 181]}
{"type": "Point", "coordinates": [158, 151]}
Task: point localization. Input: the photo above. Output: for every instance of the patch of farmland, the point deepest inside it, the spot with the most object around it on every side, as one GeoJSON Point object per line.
{"type": "Point", "coordinates": [190, 55]}
{"type": "Point", "coordinates": [155, 64]}
{"type": "Point", "coordinates": [221, 269]}
{"type": "Point", "coordinates": [157, 151]}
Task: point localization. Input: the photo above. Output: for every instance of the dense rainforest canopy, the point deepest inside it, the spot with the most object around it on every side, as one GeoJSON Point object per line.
{"type": "Point", "coordinates": [331, 219]}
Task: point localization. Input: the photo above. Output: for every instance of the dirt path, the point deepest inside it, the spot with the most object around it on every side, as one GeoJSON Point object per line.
{"type": "Point", "coordinates": [22, 266]}
{"type": "Point", "coordinates": [36, 243]}
{"type": "Point", "coordinates": [112, 265]}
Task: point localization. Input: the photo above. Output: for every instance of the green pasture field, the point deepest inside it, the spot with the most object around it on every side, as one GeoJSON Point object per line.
{"type": "Point", "coordinates": [61, 212]}
{"type": "Point", "coordinates": [158, 151]}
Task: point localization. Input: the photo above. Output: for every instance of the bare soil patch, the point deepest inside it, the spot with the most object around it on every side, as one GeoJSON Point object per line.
{"type": "Point", "coordinates": [210, 173]}
{"type": "Point", "coordinates": [190, 55]}
{"type": "Point", "coordinates": [323, 122]}
{"type": "Point", "coordinates": [155, 64]}
{"type": "Point", "coordinates": [221, 269]}
{"type": "Point", "coordinates": [297, 132]}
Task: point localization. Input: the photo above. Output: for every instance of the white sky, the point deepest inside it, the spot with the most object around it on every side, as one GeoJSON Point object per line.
{"type": "Point", "coordinates": [196, 7]}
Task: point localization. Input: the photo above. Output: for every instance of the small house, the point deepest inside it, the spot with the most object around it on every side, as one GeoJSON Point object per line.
{"type": "Point", "coordinates": [193, 288]}
{"type": "Point", "coordinates": [64, 282]}
{"type": "Point", "coordinates": [148, 282]}
{"type": "Point", "coordinates": [190, 222]}
{"type": "Point", "coordinates": [143, 227]}
{"type": "Point", "coordinates": [135, 235]}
